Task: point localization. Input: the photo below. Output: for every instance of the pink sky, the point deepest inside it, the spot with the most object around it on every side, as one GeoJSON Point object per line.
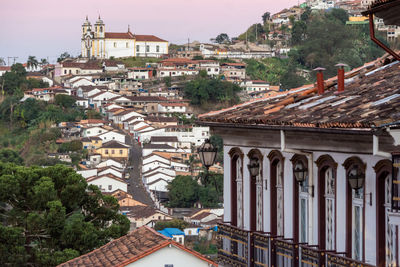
{"type": "Point", "coordinates": [46, 28]}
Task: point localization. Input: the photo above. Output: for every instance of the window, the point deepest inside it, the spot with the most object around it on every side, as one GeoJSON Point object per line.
{"type": "Point", "coordinates": [101, 28]}
{"type": "Point", "coordinates": [115, 44]}
{"type": "Point", "coordinates": [106, 151]}
{"type": "Point", "coordinates": [147, 48]}
{"type": "Point", "coordinates": [65, 71]}
{"type": "Point", "coordinates": [157, 48]}
{"type": "Point", "coordinates": [120, 151]}
{"type": "Point", "coordinates": [127, 45]}
{"type": "Point", "coordinates": [137, 48]}
{"type": "Point", "coordinates": [110, 187]}
{"type": "Point", "coordinates": [113, 151]}
{"type": "Point", "coordinates": [70, 71]}
{"type": "Point", "coordinates": [355, 169]}
{"type": "Point", "coordinates": [168, 265]}
{"type": "Point", "coordinates": [76, 71]}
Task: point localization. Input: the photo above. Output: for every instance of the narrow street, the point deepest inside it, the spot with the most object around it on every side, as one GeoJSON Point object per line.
{"type": "Point", "coordinates": [136, 188]}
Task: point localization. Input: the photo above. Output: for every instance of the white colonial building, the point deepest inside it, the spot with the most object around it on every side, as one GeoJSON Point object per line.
{"type": "Point", "coordinates": [308, 176]}
{"type": "Point", "coordinates": [97, 43]}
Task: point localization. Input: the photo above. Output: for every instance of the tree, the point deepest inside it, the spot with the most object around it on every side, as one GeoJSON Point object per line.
{"type": "Point", "coordinates": [65, 101]}
{"type": "Point", "coordinates": [44, 62]}
{"type": "Point", "coordinates": [9, 155]}
{"type": "Point", "coordinates": [183, 192]}
{"type": "Point", "coordinates": [222, 38]}
{"type": "Point", "coordinates": [32, 62]}
{"type": "Point", "coordinates": [210, 91]}
{"type": "Point", "coordinates": [2, 62]}
{"type": "Point", "coordinates": [167, 81]}
{"type": "Point", "coordinates": [266, 17]}
{"type": "Point", "coordinates": [63, 56]}
{"type": "Point", "coordinates": [53, 215]}
{"type": "Point", "coordinates": [174, 223]}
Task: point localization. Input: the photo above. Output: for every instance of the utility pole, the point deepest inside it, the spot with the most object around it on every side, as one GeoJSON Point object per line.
{"type": "Point", "coordinates": [8, 60]}
{"type": "Point", "coordinates": [256, 32]}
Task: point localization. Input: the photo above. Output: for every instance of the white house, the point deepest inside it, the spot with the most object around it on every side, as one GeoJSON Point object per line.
{"type": "Point", "coordinates": [111, 170]}
{"type": "Point", "coordinates": [87, 173]}
{"type": "Point", "coordinates": [110, 162]}
{"type": "Point", "coordinates": [112, 135]}
{"type": "Point", "coordinates": [99, 99]}
{"type": "Point", "coordinates": [93, 131]}
{"type": "Point", "coordinates": [151, 249]}
{"type": "Point", "coordinates": [255, 86]}
{"type": "Point", "coordinates": [108, 183]}
{"type": "Point", "coordinates": [150, 148]}
{"type": "Point", "coordinates": [172, 107]}
{"type": "Point", "coordinates": [176, 72]}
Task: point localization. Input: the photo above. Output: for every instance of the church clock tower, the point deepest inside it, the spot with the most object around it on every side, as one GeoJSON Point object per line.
{"type": "Point", "coordinates": [99, 38]}
{"type": "Point", "coordinates": [87, 39]}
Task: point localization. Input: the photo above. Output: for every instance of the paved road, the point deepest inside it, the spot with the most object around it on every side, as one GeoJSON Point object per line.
{"type": "Point", "coordinates": [136, 188]}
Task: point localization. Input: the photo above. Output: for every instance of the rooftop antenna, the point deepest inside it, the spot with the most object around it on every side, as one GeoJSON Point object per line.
{"type": "Point", "coordinates": [129, 28]}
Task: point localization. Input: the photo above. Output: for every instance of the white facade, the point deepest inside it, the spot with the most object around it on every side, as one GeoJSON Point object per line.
{"type": "Point", "coordinates": [108, 184]}
{"type": "Point", "coordinates": [93, 131]}
{"type": "Point", "coordinates": [254, 86]}
{"type": "Point", "coordinates": [87, 173]}
{"type": "Point", "coordinates": [111, 170]}
{"type": "Point", "coordinates": [110, 162]}
{"type": "Point", "coordinates": [96, 42]}
{"type": "Point", "coordinates": [176, 72]}
{"type": "Point", "coordinates": [170, 256]}
{"type": "Point", "coordinates": [111, 136]}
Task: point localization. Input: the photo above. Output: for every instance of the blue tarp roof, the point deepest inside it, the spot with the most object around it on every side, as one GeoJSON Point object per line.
{"type": "Point", "coordinates": [169, 232]}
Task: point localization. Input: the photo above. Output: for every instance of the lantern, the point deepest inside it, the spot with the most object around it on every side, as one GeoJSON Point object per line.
{"type": "Point", "coordinates": [254, 167]}
{"type": "Point", "coordinates": [207, 153]}
{"type": "Point", "coordinates": [356, 177]}
{"type": "Point", "coordinates": [300, 172]}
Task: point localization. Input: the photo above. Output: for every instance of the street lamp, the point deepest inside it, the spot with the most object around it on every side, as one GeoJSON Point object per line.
{"type": "Point", "coordinates": [356, 177]}
{"type": "Point", "coordinates": [300, 172]}
{"type": "Point", "coordinates": [207, 153]}
{"type": "Point", "coordinates": [254, 167]}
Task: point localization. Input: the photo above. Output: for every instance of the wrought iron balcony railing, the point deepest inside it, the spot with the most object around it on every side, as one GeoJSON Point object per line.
{"type": "Point", "coordinates": [238, 247]}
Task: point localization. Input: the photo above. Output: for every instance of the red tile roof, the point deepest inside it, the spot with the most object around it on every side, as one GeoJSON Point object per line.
{"type": "Point", "coordinates": [5, 68]}
{"type": "Point", "coordinates": [371, 98]}
{"type": "Point", "coordinates": [148, 38]}
{"type": "Point", "coordinates": [119, 35]}
{"type": "Point", "coordinates": [128, 249]}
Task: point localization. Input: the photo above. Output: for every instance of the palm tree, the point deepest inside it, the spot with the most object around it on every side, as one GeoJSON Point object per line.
{"type": "Point", "coordinates": [43, 62]}
{"type": "Point", "coordinates": [32, 62]}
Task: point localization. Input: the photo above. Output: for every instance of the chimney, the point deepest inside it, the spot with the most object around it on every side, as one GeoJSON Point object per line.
{"type": "Point", "coordinates": [340, 77]}
{"type": "Point", "coordinates": [320, 80]}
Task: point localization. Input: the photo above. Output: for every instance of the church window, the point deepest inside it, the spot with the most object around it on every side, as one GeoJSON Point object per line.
{"type": "Point", "coordinates": [137, 48]}
{"type": "Point", "coordinates": [115, 44]}
{"type": "Point", "coordinates": [158, 48]}
{"type": "Point", "coordinates": [127, 45]}
{"type": "Point", "coordinates": [147, 48]}
{"type": "Point", "coordinates": [101, 28]}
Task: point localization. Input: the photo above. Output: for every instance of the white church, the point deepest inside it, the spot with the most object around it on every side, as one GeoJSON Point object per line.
{"type": "Point", "coordinates": [97, 43]}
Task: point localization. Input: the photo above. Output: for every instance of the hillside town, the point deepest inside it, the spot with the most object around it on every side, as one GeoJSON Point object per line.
{"type": "Point", "coordinates": [241, 151]}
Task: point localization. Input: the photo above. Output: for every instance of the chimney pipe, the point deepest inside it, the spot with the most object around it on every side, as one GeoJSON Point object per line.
{"type": "Point", "coordinates": [320, 80]}
{"type": "Point", "coordinates": [340, 77]}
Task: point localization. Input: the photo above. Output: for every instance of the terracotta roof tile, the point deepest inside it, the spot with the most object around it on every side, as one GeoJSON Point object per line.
{"type": "Point", "coordinates": [371, 97]}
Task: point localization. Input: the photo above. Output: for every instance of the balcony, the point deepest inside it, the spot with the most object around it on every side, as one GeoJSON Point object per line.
{"type": "Point", "coordinates": [237, 247]}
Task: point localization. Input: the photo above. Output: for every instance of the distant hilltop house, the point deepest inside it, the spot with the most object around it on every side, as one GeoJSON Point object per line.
{"type": "Point", "coordinates": [97, 43]}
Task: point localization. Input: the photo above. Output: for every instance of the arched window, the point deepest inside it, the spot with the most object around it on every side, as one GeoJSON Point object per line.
{"type": "Point", "coordinates": [101, 28]}
{"type": "Point", "coordinates": [386, 249]}
{"type": "Point", "coordinates": [236, 156]}
{"type": "Point", "coordinates": [276, 181]}
{"type": "Point", "coordinates": [355, 175]}
{"type": "Point", "coordinates": [256, 192]}
{"type": "Point", "coordinates": [300, 200]}
{"type": "Point", "coordinates": [327, 202]}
